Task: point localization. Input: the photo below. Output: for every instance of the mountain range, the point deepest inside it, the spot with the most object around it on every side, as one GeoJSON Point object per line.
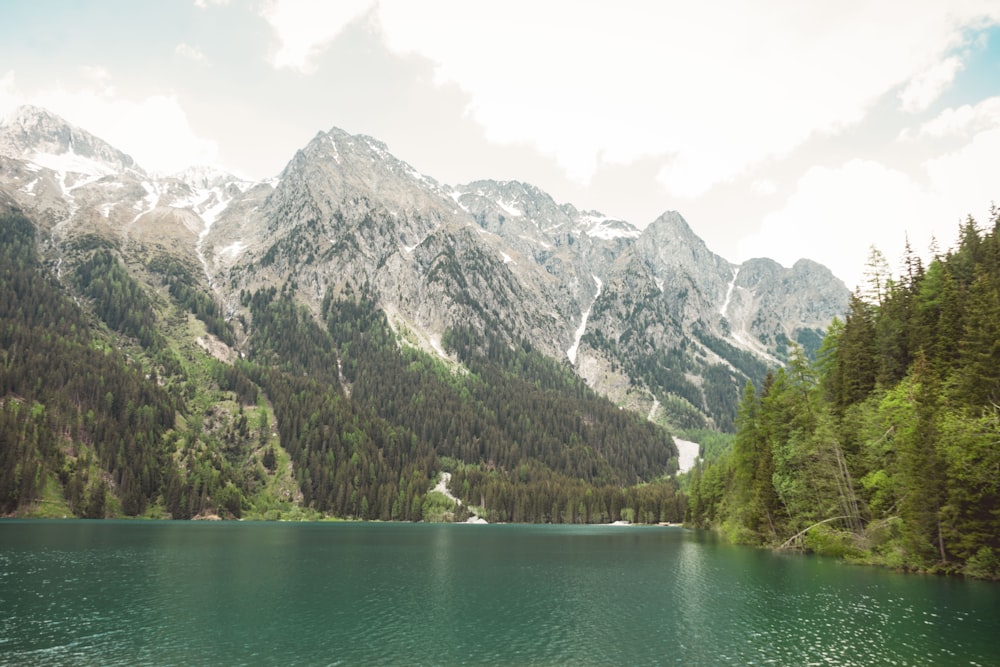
{"type": "Point", "coordinates": [650, 317]}
{"type": "Point", "coordinates": [330, 339]}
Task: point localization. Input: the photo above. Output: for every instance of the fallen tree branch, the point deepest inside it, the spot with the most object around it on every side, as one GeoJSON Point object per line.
{"type": "Point", "coordinates": [787, 543]}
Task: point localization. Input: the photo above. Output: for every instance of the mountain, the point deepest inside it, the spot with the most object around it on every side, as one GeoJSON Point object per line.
{"type": "Point", "coordinates": [349, 245]}
{"type": "Point", "coordinates": [46, 140]}
{"type": "Point", "coordinates": [645, 316]}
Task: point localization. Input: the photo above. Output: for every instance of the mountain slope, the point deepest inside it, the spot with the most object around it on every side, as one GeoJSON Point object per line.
{"type": "Point", "coordinates": [641, 315]}
{"type": "Point", "coordinates": [650, 318]}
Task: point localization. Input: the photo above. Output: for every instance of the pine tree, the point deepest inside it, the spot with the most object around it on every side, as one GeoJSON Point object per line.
{"type": "Point", "coordinates": [978, 370]}
{"type": "Point", "coordinates": [752, 500]}
{"type": "Point", "coordinates": [922, 472]}
{"type": "Point", "coordinates": [852, 375]}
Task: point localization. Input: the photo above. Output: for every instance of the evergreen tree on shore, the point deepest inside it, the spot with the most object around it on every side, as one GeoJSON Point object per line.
{"type": "Point", "coordinates": [887, 448]}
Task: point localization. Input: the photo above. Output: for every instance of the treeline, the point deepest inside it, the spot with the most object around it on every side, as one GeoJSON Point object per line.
{"type": "Point", "coordinates": [122, 303]}
{"type": "Point", "coordinates": [887, 448]}
{"type": "Point", "coordinates": [532, 493]}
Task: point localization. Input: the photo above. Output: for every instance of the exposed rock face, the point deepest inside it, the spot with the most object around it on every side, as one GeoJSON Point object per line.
{"type": "Point", "coordinates": [770, 305]}
{"type": "Point", "coordinates": [647, 317]}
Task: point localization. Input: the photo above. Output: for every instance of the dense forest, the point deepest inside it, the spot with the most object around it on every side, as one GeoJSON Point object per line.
{"type": "Point", "coordinates": [886, 447]}
{"type": "Point", "coordinates": [525, 439]}
{"type": "Point", "coordinates": [70, 408]}
{"type": "Point", "coordinates": [101, 414]}
{"type": "Point", "coordinates": [107, 408]}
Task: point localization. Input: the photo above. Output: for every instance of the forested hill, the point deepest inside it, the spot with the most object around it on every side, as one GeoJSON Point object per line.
{"type": "Point", "coordinates": [109, 408]}
{"type": "Point", "coordinates": [887, 448]}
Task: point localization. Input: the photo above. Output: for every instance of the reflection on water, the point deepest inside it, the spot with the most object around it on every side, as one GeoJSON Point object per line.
{"type": "Point", "coordinates": [134, 593]}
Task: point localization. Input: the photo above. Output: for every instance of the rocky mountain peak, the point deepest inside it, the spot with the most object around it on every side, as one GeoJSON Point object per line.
{"type": "Point", "coordinates": [669, 243]}
{"type": "Point", "coordinates": [808, 267]}
{"type": "Point", "coordinates": [337, 166]}
{"type": "Point", "coordinates": [672, 227]}
{"type": "Point", "coordinates": [520, 210]}
{"type": "Point", "coordinates": [511, 199]}
{"type": "Point", "coordinates": [642, 315]}
{"type": "Point", "coordinates": [42, 137]}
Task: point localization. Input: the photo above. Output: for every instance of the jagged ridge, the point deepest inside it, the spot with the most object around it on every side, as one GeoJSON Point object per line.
{"type": "Point", "coordinates": [648, 317]}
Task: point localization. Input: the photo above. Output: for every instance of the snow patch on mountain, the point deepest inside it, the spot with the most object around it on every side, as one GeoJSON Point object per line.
{"type": "Point", "coordinates": [687, 454]}
{"type": "Point", "coordinates": [336, 153]}
{"type": "Point", "coordinates": [147, 203]}
{"type": "Point", "coordinates": [457, 196]}
{"type": "Point", "coordinates": [71, 163]}
{"type": "Point", "coordinates": [212, 205]}
{"type": "Point", "coordinates": [602, 227]}
{"type": "Point", "coordinates": [232, 250]}
{"type": "Point", "coordinates": [571, 352]}
{"type": "Point", "coordinates": [729, 292]}
{"type": "Point", "coordinates": [510, 208]}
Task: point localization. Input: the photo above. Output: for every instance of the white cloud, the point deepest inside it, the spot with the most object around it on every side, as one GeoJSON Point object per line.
{"type": "Point", "coordinates": [710, 89]}
{"type": "Point", "coordinates": [9, 97]}
{"type": "Point", "coordinates": [97, 75]}
{"type": "Point", "coordinates": [185, 50]}
{"type": "Point", "coordinates": [154, 130]}
{"type": "Point", "coordinates": [836, 214]}
{"type": "Point", "coordinates": [204, 4]}
{"type": "Point", "coordinates": [306, 27]}
{"type": "Point", "coordinates": [713, 89]}
{"type": "Point", "coordinates": [926, 87]}
{"type": "Point", "coordinates": [764, 187]}
{"type": "Point", "coordinates": [959, 121]}
{"type": "Point", "coordinates": [967, 176]}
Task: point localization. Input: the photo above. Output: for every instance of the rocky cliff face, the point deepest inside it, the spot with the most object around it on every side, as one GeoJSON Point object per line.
{"type": "Point", "coordinates": [652, 318]}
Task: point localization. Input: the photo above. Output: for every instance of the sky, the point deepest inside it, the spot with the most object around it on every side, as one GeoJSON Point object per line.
{"type": "Point", "coordinates": [777, 129]}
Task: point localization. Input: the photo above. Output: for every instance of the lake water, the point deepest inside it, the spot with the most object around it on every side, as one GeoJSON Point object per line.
{"type": "Point", "coordinates": [162, 593]}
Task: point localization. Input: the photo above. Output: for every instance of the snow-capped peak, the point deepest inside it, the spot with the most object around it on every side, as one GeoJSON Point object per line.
{"type": "Point", "coordinates": [39, 136]}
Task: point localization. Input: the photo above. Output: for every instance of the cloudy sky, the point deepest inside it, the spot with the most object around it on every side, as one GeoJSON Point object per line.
{"type": "Point", "coordinates": [782, 129]}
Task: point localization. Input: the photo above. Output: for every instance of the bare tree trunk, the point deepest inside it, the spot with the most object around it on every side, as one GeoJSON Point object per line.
{"type": "Point", "coordinates": [850, 497]}
{"type": "Point", "coordinates": [799, 534]}
{"type": "Point", "coordinates": [944, 558]}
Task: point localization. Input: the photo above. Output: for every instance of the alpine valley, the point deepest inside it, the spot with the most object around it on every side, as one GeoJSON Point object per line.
{"type": "Point", "coordinates": [327, 342]}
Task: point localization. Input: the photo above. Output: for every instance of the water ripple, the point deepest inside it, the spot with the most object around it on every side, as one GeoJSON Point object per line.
{"type": "Point", "coordinates": [265, 594]}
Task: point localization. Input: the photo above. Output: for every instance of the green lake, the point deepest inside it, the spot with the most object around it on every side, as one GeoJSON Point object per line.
{"type": "Point", "coordinates": [179, 593]}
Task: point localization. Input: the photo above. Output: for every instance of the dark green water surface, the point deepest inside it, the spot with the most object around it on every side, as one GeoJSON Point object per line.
{"type": "Point", "coordinates": [160, 593]}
